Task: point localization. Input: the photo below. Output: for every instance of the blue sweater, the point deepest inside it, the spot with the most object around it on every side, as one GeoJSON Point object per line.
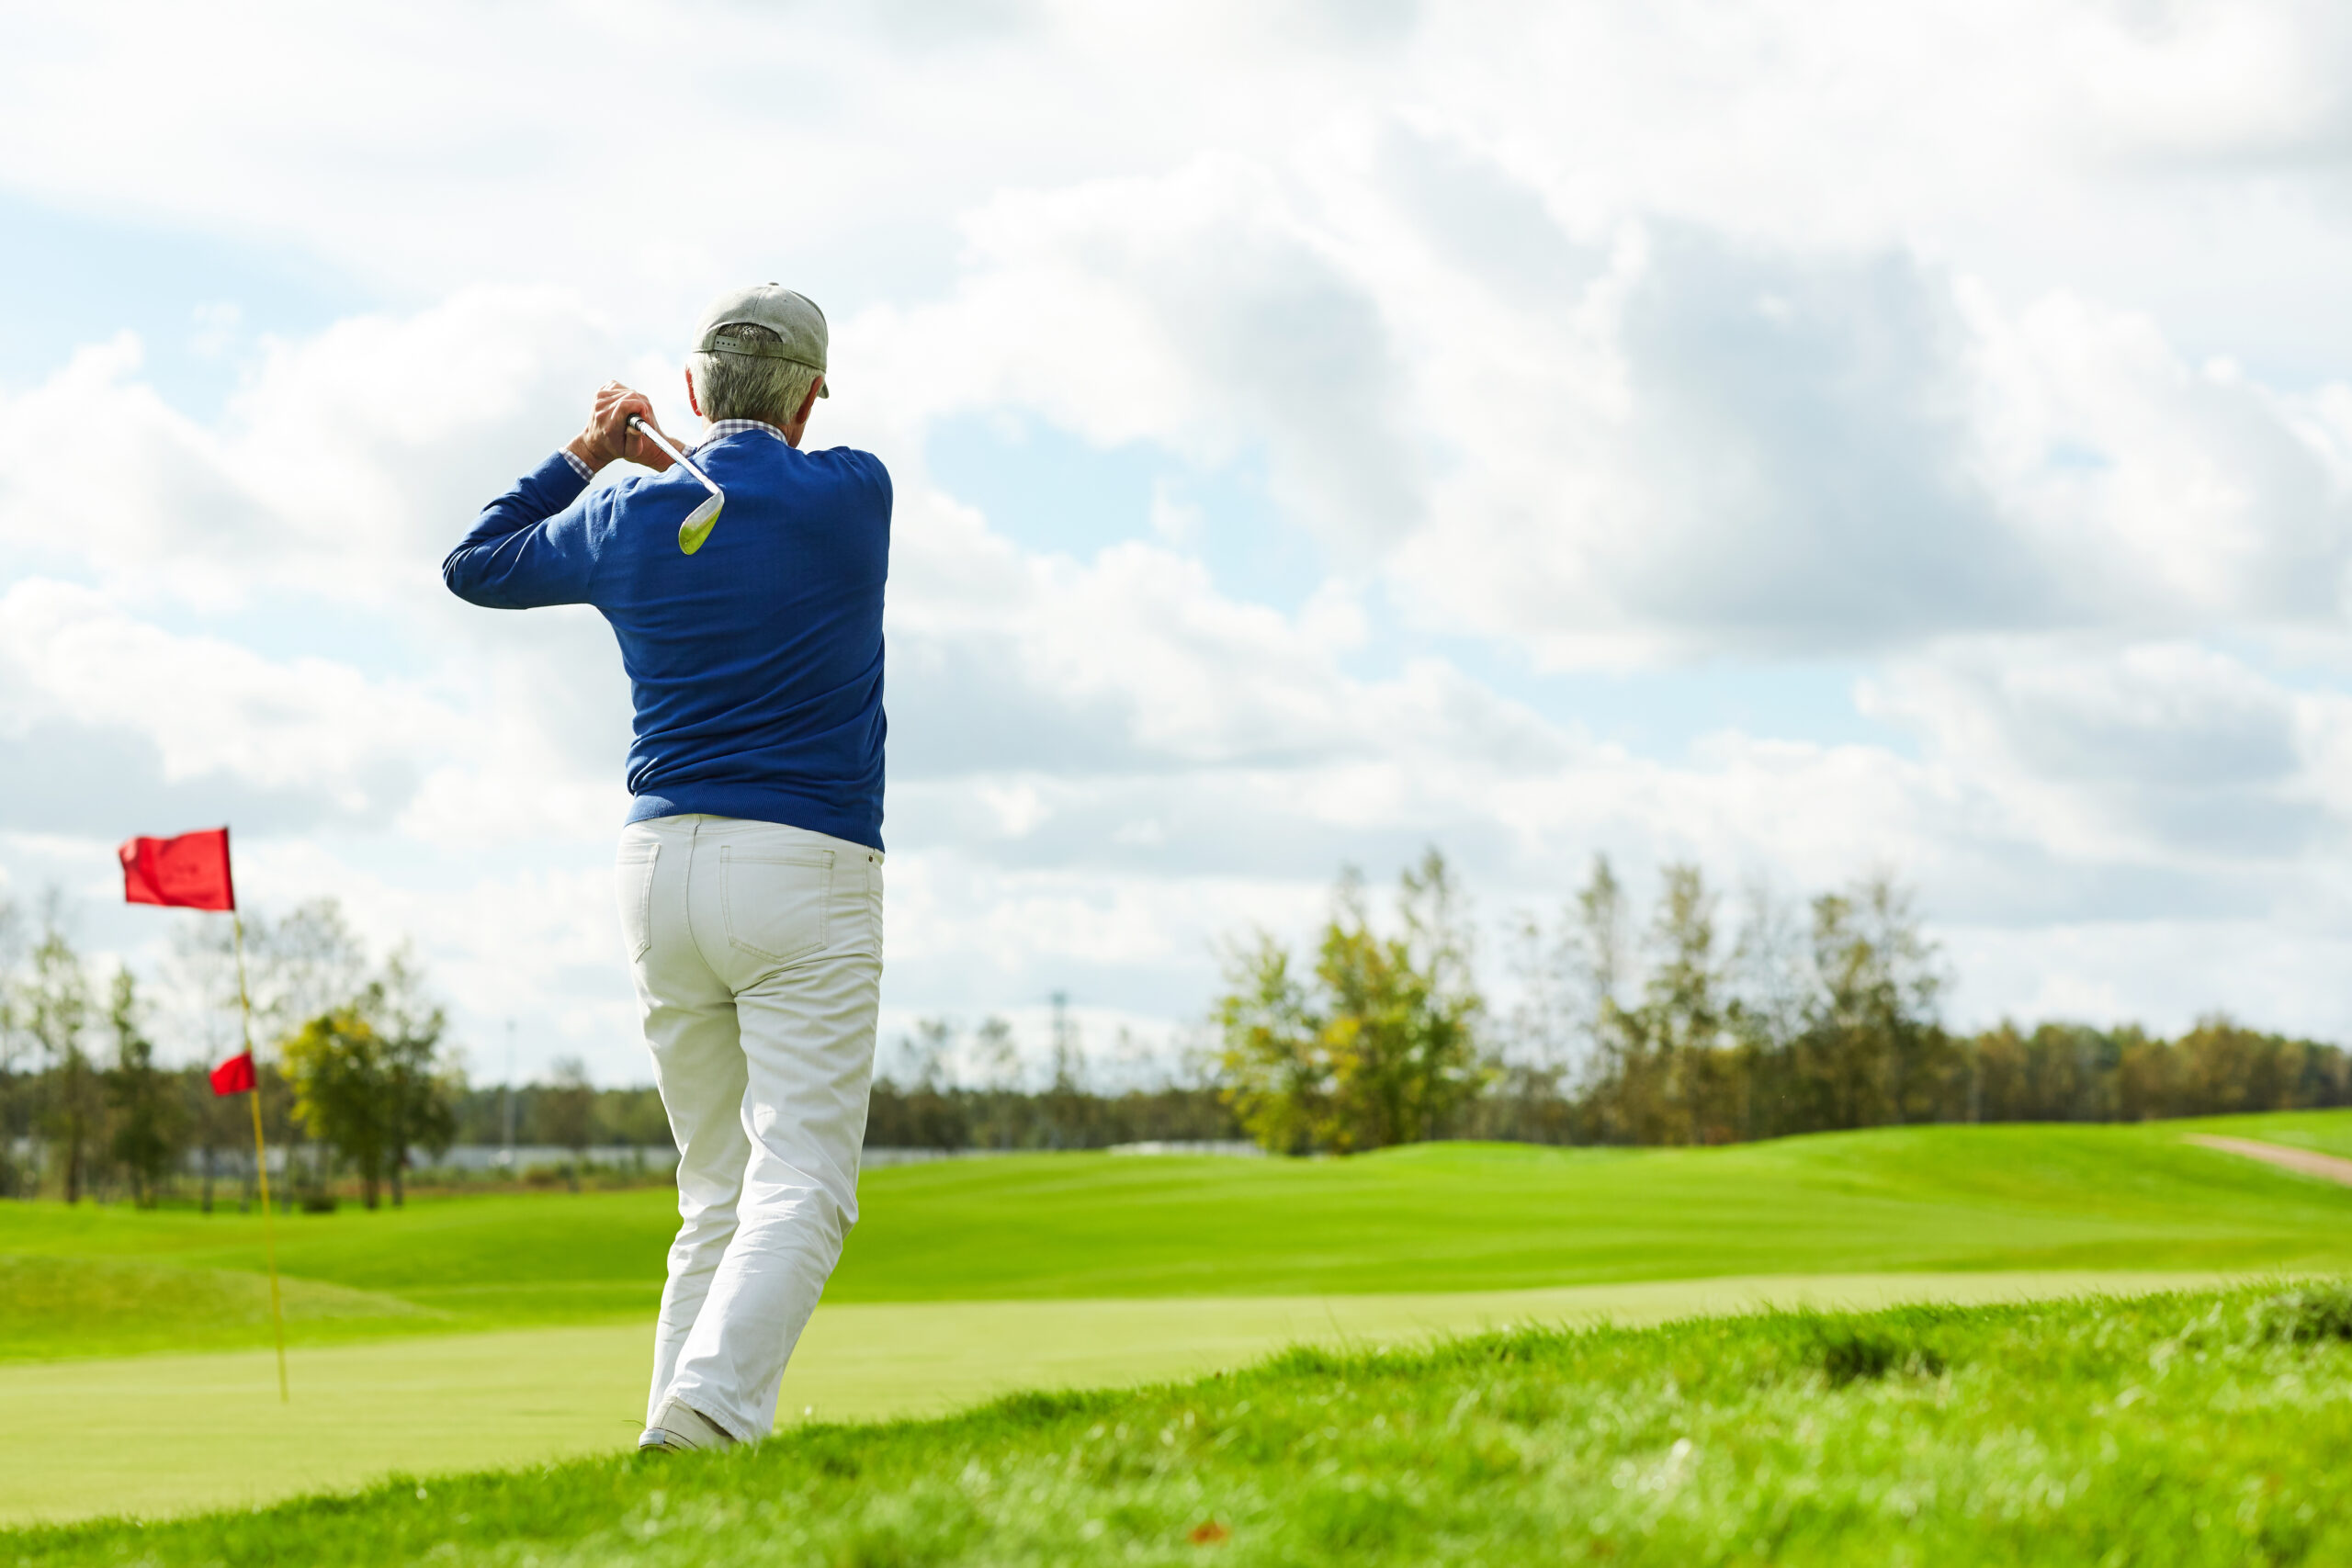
{"type": "Point", "coordinates": [755, 664]}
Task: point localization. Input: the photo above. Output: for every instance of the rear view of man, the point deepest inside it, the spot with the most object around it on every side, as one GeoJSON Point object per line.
{"type": "Point", "coordinates": [751, 869]}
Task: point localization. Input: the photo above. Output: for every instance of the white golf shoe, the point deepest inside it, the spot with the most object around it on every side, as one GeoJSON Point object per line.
{"type": "Point", "coordinates": [679, 1429]}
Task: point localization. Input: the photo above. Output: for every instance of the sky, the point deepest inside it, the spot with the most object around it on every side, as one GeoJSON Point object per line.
{"type": "Point", "coordinates": [1801, 437]}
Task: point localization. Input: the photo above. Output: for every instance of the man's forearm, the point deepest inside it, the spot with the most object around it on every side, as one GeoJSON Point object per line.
{"type": "Point", "coordinates": [510, 560]}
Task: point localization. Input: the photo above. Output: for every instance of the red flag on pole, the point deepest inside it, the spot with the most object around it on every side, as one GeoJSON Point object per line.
{"type": "Point", "coordinates": [190, 872]}
{"type": "Point", "coordinates": [234, 1076]}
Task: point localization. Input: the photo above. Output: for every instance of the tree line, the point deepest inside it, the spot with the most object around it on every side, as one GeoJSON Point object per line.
{"type": "Point", "coordinates": [361, 1075]}
{"type": "Point", "coordinates": [75, 1118]}
{"type": "Point", "coordinates": [564, 1111]}
{"type": "Point", "coordinates": [358, 1078]}
{"type": "Point", "coordinates": [919, 1104]}
{"type": "Point", "coordinates": [1681, 1027]}
{"type": "Point", "coordinates": [1701, 1019]}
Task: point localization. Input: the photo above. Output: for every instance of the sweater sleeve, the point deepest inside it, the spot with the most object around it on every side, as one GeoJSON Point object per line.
{"type": "Point", "coordinates": [534, 545]}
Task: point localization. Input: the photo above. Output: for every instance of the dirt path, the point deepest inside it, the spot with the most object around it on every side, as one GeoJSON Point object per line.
{"type": "Point", "coordinates": [2303, 1162]}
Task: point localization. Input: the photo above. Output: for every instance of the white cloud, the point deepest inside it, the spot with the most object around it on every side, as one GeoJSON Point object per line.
{"type": "Point", "coordinates": [2161, 755]}
{"type": "Point", "coordinates": [345, 468]}
{"type": "Point", "coordinates": [1988, 347]}
{"type": "Point", "coordinates": [202, 708]}
{"type": "Point", "coordinates": [1670, 445]}
{"type": "Point", "coordinates": [1769, 455]}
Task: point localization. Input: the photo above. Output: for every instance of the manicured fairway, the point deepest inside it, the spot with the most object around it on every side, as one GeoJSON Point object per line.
{"type": "Point", "coordinates": [1438, 1217]}
{"type": "Point", "coordinates": [1492, 1216]}
{"type": "Point", "coordinates": [155, 1434]}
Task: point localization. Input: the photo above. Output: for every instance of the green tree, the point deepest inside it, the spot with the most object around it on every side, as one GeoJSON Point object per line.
{"type": "Point", "coordinates": [1623, 1092]}
{"type": "Point", "coordinates": [15, 1087]}
{"type": "Point", "coordinates": [998, 1116]}
{"type": "Point", "coordinates": [1676, 1061]}
{"type": "Point", "coordinates": [335, 1066]}
{"type": "Point", "coordinates": [1873, 1051]}
{"type": "Point", "coordinates": [1770, 983]}
{"type": "Point", "coordinates": [1379, 1048]}
{"type": "Point", "coordinates": [921, 1113]}
{"type": "Point", "coordinates": [419, 1103]}
{"type": "Point", "coordinates": [1415, 1005]}
{"type": "Point", "coordinates": [566, 1113]}
{"type": "Point", "coordinates": [52, 1011]}
{"type": "Point", "coordinates": [367, 1071]}
{"type": "Point", "coordinates": [1602, 960]}
{"type": "Point", "coordinates": [1066, 1101]}
{"type": "Point", "coordinates": [218, 1129]}
{"type": "Point", "coordinates": [150, 1120]}
{"type": "Point", "coordinates": [1276, 1070]}
{"type": "Point", "coordinates": [368, 1078]}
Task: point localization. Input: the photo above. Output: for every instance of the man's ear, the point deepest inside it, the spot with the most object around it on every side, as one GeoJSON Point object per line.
{"type": "Point", "coordinates": [799, 427]}
{"type": "Point", "coordinates": [690, 395]}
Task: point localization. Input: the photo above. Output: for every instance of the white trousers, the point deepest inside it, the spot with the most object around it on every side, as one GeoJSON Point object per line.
{"type": "Point", "coordinates": [757, 951]}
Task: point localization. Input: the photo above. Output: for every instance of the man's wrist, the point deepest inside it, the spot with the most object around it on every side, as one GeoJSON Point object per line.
{"type": "Point", "coordinates": [583, 456]}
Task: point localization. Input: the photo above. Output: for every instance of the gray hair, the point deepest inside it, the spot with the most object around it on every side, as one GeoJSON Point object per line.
{"type": "Point", "coordinates": [742, 386]}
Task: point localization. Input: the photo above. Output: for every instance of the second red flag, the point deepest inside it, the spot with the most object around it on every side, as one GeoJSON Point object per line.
{"type": "Point", "coordinates": [235, 1075]}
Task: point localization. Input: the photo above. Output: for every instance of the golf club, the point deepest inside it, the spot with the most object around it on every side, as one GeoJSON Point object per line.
{"type": "Point", "coordinates": [698, 523]}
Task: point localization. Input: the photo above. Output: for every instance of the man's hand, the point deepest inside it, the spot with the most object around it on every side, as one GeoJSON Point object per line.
{"type": "Point", "coordinates": [608, 437]}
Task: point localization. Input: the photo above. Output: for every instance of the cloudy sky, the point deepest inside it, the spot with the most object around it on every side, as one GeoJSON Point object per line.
{"type": "Point", "coordinates": [1798, 436]}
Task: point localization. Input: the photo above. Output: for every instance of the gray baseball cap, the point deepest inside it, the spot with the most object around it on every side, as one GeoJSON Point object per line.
{"type": "Point", "coordinates": [794, 318]}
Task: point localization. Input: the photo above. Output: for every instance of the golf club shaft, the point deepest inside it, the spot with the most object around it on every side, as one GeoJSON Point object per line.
{"type": "Point", "coordinates": [675, 455]}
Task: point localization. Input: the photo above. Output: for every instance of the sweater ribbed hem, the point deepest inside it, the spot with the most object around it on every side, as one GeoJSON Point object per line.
{"type": "Point", "coordinates": [757, 803]}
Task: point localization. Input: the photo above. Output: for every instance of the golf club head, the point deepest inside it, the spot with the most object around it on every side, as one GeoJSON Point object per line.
{"type": "Point", "coordinates": [697, 526]}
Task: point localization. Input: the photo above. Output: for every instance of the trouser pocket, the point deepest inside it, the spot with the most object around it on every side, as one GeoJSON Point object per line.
{"type": "Point", "coordinates": [776, 902]}
{"type": "Point", "coordinates": [633, 876]}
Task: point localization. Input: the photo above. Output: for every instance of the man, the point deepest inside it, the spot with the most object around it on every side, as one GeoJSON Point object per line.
{"type": "Point", "coordinates": [751, 869]}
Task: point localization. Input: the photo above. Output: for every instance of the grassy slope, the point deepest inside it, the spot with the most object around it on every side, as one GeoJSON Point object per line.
{"type": "Point", "coordinates": [2190, 1429]}
{"type": "Point", "coordinates": [1448, 1217]}
{"type": "Point", "coordinates": [1467, 1216]}
{"type": "Point", "coordinates": [53, 1307]}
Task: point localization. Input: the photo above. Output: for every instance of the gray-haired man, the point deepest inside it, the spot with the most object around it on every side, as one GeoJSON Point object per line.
{"type": "Point", "coordinates": [751, 870]}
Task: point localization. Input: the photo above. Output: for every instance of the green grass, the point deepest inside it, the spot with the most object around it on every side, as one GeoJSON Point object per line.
{"type": "Point", "coordinates": [1438, 1217]}
{"type": "Point", "coordinates": [466, 1332]}
{"type": "Point", "coordinates": [168, 1434]}
{"type": "Point", "coordinates": [2188, 1430]}
{"type": "Point", "coordinates": [1496, 1216]}
{"type": "Point", "coordinates": [58, 1306]}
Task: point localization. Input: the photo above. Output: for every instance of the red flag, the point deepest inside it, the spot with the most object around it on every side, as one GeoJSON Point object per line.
{"type": "Point", "coordinates": [234, 1076]}
{"type": "Point", "coordinates": [190, 872]}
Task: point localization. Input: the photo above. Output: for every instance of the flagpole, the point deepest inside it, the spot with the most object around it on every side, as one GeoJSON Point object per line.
{"type": "Point", "coordinates": [261, 1163]}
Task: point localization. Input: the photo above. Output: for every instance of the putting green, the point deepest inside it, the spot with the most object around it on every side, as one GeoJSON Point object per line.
{"type": "Point", "coordinates": [157, 1435]}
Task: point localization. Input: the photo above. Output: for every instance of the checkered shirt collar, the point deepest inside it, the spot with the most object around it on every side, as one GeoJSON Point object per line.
{"type": "Point", "coordinates": [721, 429]}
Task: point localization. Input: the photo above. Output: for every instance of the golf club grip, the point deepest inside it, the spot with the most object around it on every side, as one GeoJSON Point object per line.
{"type": "Point", "coordinates": [675, 455]}
{"type": "Point", "coordinates": [655, 436]}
